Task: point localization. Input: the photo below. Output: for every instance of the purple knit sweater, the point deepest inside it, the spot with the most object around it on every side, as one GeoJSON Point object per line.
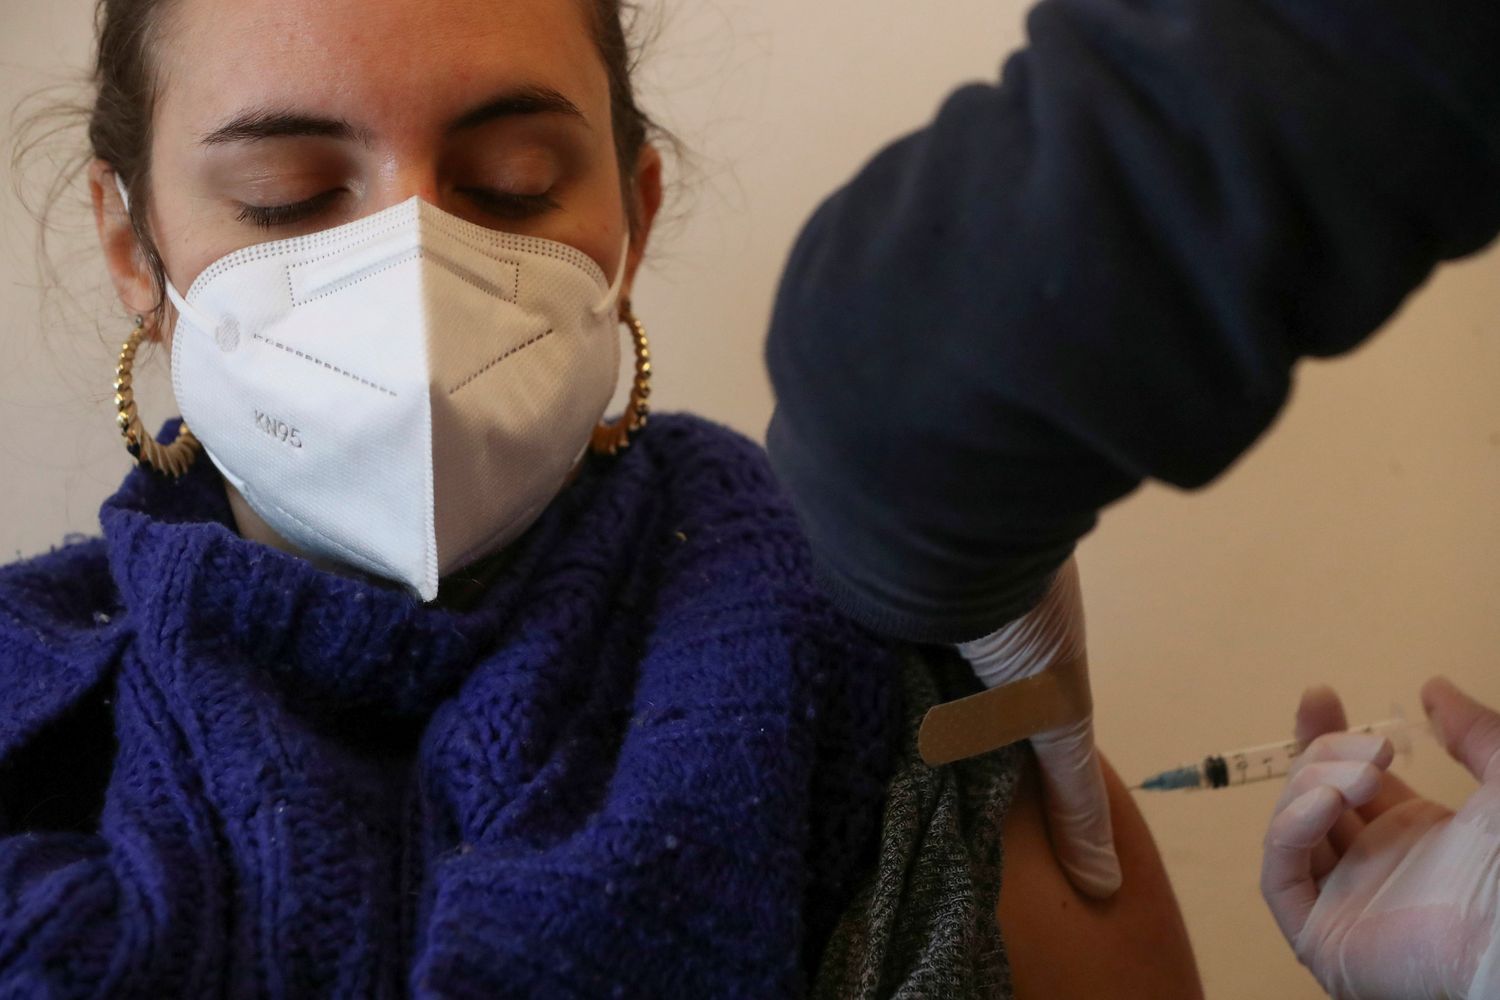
{"type": "Point", "coordinates": [648, 761]}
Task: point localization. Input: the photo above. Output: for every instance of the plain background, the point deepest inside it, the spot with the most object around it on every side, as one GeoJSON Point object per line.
{"type": "Point", "coordinates": [1357, 544]}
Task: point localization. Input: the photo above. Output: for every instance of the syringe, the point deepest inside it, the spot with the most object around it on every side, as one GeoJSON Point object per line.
{"type": "Point", "coordinates": [1271, 760]}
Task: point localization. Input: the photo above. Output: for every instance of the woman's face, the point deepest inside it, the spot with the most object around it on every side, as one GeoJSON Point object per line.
{"type": "Point", "coordinates": [277, 118]}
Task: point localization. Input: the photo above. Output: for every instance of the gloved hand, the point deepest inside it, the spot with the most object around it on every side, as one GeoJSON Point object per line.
{"type": "Point", "coordinates": [1382, 893]}
{"type": "Point", "coordinates": [1072, 780]}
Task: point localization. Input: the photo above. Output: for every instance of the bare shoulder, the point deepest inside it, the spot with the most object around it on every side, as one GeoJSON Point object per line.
{"type": "Point", "coordinates": [1062, 944]}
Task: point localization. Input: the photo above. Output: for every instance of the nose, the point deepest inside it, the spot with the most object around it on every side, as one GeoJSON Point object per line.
{"type": "Point", "coordinates": [403, 184]}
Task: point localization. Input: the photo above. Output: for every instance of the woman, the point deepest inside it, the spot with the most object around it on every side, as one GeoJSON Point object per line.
{"type": "Point", "coordinates": [408, 679]}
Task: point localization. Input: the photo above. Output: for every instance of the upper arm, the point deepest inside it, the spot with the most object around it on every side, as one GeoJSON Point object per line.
{"type": "Point", "coordinates": [1136, 943]}
{"type": "Point", "coordinates": [1103, 270]}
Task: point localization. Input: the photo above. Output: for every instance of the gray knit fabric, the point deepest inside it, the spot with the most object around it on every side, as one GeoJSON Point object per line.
{"type": "Point", "coordinates": [924, 926]}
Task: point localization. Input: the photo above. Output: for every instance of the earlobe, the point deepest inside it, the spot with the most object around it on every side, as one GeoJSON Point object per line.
{"type": "Point", "coordinates": [128, 271]}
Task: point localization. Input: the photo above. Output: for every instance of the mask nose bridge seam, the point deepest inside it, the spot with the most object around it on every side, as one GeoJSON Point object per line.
{"type": "Point", "coordinates": [493, 241]}
{"type": "Point", "coordinates": [462, 273]}
{"type": "Point", "coordinates": [362, 231]}
{"type": "Point", "coordinates": [499, 255]}
{"type": "Point", "coordinates": [470, 277]}
{"type": "Point", "coordinates": [477, 237]}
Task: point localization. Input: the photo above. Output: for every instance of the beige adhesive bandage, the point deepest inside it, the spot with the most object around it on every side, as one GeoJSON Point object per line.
{"type": "Point", "coordinates": [1056, 697]}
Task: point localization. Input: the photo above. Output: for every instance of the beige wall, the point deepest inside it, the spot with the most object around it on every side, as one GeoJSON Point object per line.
{"type": "Point", "coordinates": [1359, 544]}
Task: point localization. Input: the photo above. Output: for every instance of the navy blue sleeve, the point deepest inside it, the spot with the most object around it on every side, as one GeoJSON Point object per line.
{"type": "Point", "coordinates": [1104, 269]}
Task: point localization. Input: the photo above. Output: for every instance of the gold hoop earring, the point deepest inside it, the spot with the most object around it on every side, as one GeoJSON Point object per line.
{"type": "Point", "coordinates": [169, 460]}
{"type": "Point", "coordinates": [611, 438]}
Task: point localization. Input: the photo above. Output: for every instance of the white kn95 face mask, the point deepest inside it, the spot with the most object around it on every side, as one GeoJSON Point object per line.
{"type": "Point", "coordinates": [403, 394]}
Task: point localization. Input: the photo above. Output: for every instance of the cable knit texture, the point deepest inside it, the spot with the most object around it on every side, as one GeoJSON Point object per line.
{"type": "Point", "coordinates": [648, 762]}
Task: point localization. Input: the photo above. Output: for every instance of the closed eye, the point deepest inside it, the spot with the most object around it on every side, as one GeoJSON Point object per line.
{"type": "Point", "coordinates": [270, 216]}
{"type": "Point", "coordinates": [505, 205]}
{"type": "Point", "coordinates": [509, 205]}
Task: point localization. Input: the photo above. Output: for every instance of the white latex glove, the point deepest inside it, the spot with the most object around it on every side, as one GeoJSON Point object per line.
{"type": "Point", "coordinates": [1072, 780]}
{"type": "Point", "coordinates": [1382, 893]}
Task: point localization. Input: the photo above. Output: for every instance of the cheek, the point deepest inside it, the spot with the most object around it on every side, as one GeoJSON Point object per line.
{"type": "Point", "coordinates": [190, 231]}
{"type": "Point", "coordinates": [595, 220]}
{"type": "Point", "coordinates": [188, 243]}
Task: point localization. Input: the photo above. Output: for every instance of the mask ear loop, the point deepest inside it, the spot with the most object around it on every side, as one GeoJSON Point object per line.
{"type": "Point", "coordinates": [613, 437]}
{"type": "Point", "coordinates": [181, 304]}
{"type": "Point", "coordinates": [613, 295]}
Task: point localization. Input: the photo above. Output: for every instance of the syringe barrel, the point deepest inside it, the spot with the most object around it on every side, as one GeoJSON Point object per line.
{"type": "Point", "coordinates": [1264, 762]}
{"type": "Point", "coordinates": [1260, 763]}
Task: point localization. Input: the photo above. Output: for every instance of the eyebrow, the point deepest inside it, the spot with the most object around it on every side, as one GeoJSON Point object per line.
{"type": "Point", "coordinates": [276, 123]}
{"type": "Point", "coordinates": [516, 103]}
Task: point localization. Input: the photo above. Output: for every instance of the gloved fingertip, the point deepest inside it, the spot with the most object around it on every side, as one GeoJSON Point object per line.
{"type": "Point", "coordinates": [1436, 688]}
{"type": "Point", "coordinates": [1319, 711]}
{"type": "Point", "coordinates": [1093, 869]}
{"type": "Point", "coordinates": [1099, 885]}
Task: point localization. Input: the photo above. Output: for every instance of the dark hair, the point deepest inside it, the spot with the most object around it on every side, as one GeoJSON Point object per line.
{"type": "Point", "coordinates": [119, 121]}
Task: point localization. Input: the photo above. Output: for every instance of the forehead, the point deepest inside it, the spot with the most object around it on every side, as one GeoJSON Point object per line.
{"type": "Point", "coordinates": [389, 63]}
